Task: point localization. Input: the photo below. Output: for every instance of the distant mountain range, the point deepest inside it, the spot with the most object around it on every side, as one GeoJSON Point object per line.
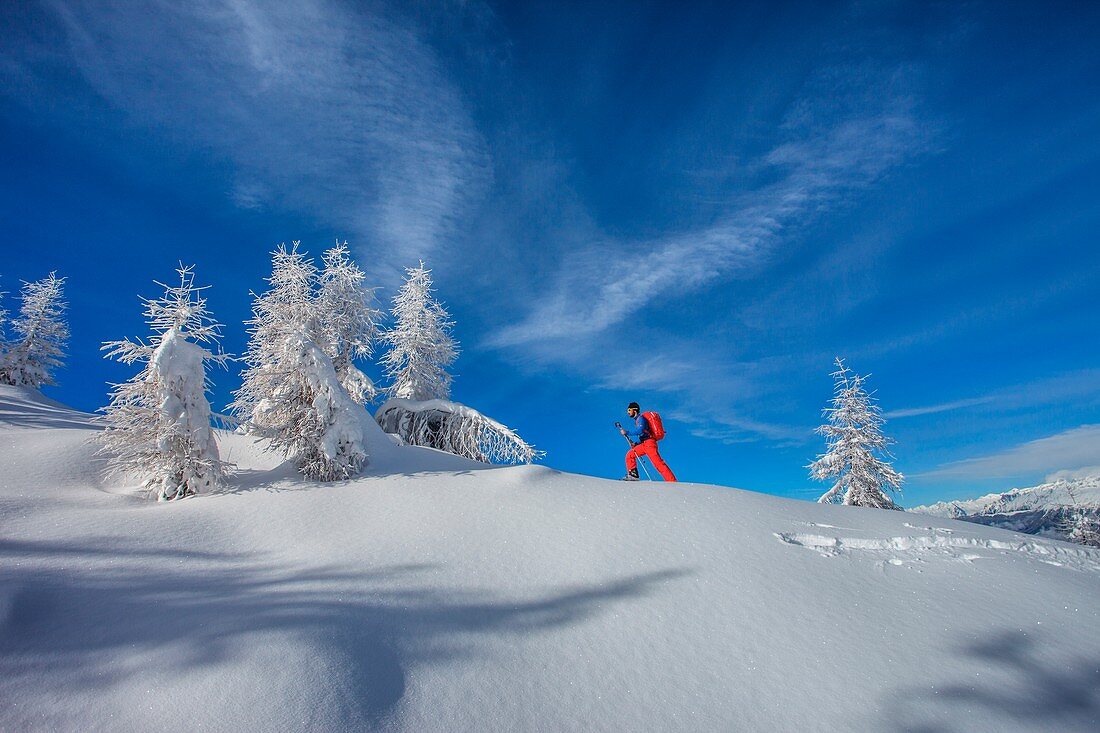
{"type": "Point", "coordinates": [1040, 510]}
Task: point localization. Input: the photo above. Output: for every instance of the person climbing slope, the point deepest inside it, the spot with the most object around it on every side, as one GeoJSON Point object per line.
{"type": "Point", "coordinates": [643, 437]}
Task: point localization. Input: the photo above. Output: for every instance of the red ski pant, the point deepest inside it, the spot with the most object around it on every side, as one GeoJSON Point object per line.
{"type": "Point", "coordinates": [649, 448]}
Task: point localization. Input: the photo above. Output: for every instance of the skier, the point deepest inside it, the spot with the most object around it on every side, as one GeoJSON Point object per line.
{"type": "Point", "coordinates": [642, 443]}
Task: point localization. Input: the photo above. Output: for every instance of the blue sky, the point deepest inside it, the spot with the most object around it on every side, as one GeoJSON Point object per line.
{"type": "Point", "coordinates": [692, 205]}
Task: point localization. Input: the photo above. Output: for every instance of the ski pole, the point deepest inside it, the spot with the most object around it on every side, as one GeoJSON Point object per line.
{"type": "Point", "coordinates": [639, 455]}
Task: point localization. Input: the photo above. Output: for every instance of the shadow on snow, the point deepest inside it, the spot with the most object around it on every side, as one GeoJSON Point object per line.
{"type": "Point", "coordinates": [1044, 694]}
{"type": "Point", "coordinates": [78, 626]}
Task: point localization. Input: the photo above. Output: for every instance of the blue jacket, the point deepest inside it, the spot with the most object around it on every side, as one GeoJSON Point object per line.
{"type": "Point", "coordinates": [640, 431]}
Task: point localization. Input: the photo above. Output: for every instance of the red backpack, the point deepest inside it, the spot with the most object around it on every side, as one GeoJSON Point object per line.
{"type": "Point", "coordinates": [656, 429]}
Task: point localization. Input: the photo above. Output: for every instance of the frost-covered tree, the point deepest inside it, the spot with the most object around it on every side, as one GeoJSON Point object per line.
{"type": "Point", "coordinates": [290, 392]}
{"type": "Point", "coordinates": [41, 332]}
{"type": "Point", "coordinates": [856, 449]}
{"type": "Point", "coordinates": [1082, 525]}
{"type": "Point", "coordinates": [3, 320]}
{"type": "Point", "coordinates": [421, 346]}
{"type": "Point", "coordinates": [349, 321]}
{"type": "Point", "coordinates": [455, 428]}
{"type": "Point", "coordinates": [1085, 528]}
{"type": "Point", "coordinates": [4, 345]}
{"type": "Point", "coordinates": [418, 411]}
{"type": "Point", "coordinates": [157, 426]}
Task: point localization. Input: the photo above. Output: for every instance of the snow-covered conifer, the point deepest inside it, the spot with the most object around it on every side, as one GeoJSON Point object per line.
{"type": "Point", "coordinates": [349, 321]}
{"type": "Point", "coordinates": [290, 392]}
{"type": "Point", "coordinates": [421, 346]}
{"type": "Point", "coordinates": [157, 427]}
{"type": "Point", "coordinates": [854, 443]}
{"type": "Point", "coordinates": [41, 332]}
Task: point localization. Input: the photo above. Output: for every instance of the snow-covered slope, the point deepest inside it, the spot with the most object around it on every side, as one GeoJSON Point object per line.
{"type": "Point", "coordinates": [1043, 509]}
{"type": "Point", "coordinates": [435, 594]}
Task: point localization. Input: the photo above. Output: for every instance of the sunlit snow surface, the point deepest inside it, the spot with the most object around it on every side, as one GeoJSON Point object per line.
{"type": "Point", "coordinates": [436, 594]}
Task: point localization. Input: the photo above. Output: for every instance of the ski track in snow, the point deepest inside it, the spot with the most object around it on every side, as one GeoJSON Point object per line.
{"type": "Point", "coordinates": [944, 543]}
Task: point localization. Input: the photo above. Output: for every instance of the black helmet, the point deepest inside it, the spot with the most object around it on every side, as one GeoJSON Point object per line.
{"type": "Point", "coordinates": [634, 406]}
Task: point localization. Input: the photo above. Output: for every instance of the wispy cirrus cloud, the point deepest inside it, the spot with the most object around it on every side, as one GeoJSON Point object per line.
{"type": "Point", "coordinates": [1082, 386]}
{"type": "Point", "coordinates": [815, 166]}
{"type": "Point", "coordinates": [343, 115]}
{"type": "Point", "coordinates": [732, 429]}
{"type": "Point", "coordinates": [934, 409]}
{"type": "Point", "coordinates": [1070, 450]}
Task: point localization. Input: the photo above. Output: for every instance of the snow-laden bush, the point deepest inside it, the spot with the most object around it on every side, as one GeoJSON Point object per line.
{"type": "Point", "coordinates": [421, 346]}
{"type": "Point", "coordinates": [290, 391]}
{"type": "Point", "coordinates": [854, 442]}
{"type": "Point", "coordinates": [157, 426]}
{"type": "Point", "coordinates": [455, 428]}
{"type": "Point", "coordinates": [41, 333]}
{"type": "Point", "coordinates": [348, 320]}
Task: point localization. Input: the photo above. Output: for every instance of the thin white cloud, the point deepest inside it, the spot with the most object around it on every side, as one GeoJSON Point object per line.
{"type": "Point", "coordinates": [933, 409]}
{"type": "Point", "coordinates": [339, 114]}
{"type": "Point", "coordinates": [602, 285]}
{"type": "Point", "coordinates": [732, 430]}
{"type": "Point", "coordinates": [653, 373]}
{"type": "Point", "coordinates": [1079, 386]}
{"type": "Point", "coordinates": [1070, 450]}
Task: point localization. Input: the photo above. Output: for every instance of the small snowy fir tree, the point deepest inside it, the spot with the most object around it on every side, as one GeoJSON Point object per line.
{"type": "Point", "coordinates": [41, 332]}
{"type": "Point", "coordinates": [854, 442]}
{"type": "Point", "coordinates": [349, 321]}
{"type": "Point", "coordinates": [290, 392]}
{"type": "Point", "coordinates": [157, 427]}
{"type": "Point", "coordinates": [418, 411]}
{"type": "Point", "coordinates": [421, 346]}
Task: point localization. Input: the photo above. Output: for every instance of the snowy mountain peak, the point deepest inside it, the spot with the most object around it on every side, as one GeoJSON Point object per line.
{"type": "Point", "coordinates": [1045, 509]}
{"type": "Point", "coordinates": [1086, 492]}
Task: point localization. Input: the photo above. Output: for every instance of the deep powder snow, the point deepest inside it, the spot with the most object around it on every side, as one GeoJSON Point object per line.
{"type": "Point", "coordinates": [435, 593]}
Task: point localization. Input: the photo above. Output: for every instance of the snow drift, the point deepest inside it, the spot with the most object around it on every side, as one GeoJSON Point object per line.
{"type": "Point", "coordinates": [434, 593]}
